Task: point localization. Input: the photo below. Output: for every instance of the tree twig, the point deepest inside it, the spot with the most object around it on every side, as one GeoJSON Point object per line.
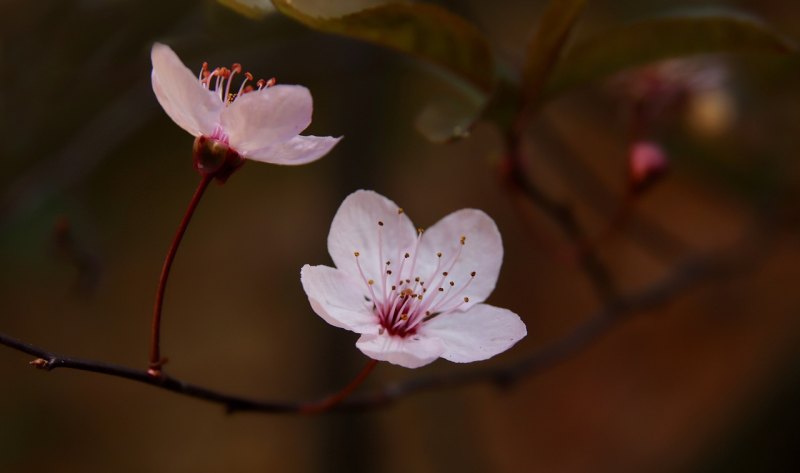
{"type": "Point", "coordinates": [562, 215]}
{"type": "Point", "coordinates": [648, 233]}
{"type": "Point", "coordinates": [598, 324]}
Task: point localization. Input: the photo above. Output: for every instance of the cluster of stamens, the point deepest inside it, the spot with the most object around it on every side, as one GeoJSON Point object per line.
{"type": "Point", "coordinates": [403, 299]}
{"type": "Point", "coordinates": [220, 79]}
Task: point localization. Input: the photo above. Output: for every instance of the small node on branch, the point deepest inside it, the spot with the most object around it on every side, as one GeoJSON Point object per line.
{"type": "Point", "coordinates": [40, 364]}
{"type": "Point", "coordinates": [155, 369]}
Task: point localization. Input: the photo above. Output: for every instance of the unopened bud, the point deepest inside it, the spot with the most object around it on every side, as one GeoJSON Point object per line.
{"type": "Point", "coordinates": [647, 164]}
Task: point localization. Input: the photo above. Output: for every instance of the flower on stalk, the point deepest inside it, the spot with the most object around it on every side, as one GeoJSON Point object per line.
{"type": "Point", "coordinates": [258, 120]}
{"type": "Point", "coordinates": [413, 295]}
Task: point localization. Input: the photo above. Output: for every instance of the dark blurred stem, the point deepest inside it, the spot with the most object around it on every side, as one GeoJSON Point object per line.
{"type": "Point", "coordinates": [331, 401]}
{"type": "Point", "coordinates": [645, 232]}
{"type": "Point", "coordinates": [156, 362]}
{"type": "Point", "coordinates": [560, 213]}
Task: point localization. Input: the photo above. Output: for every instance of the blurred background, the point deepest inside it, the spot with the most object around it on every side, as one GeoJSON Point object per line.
{"type": "Point", "coordinates": [95, 178]}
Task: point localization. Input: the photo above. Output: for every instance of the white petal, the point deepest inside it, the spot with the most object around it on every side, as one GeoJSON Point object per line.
{"type": "Point", "coordinates": [267, 117]}
{"type": "Point", "coordinates": [298, 150]}
{"type": "Point", "coordinates": [477, 334]}
{"type": "Point", "coordinates": [189, 104]}
{"type": "Point", "coordinates": [338, 299]}
{"type": "Point", "coordinates": [482, 253]}
{"type": "Point", "coordinates": [355, 227]}
{"type": "Point", "coordinates": [409, 352]}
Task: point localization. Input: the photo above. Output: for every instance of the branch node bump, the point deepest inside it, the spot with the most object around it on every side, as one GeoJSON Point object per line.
{"type": "Point", "coordinates": [40, 364]}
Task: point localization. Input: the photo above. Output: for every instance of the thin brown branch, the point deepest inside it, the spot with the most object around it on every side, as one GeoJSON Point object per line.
{"type": "Point", "coordinates": [646, 232]}
{"type": "Point", "coordinates": [598, 325]}
{"type": "Point", "coordinates": [563, 216]}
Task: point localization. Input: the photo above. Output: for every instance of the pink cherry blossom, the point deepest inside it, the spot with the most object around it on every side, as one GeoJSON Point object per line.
{"type": "Point", "coordinates": [261, 123]}
{"type": "Point", "coordinates": [413, 295]}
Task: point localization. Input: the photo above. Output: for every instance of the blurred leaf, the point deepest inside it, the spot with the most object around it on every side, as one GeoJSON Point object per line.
{"type": "Point", "coordinates": [664, 37]}
{"type": "Point", "coordinates": [449, 119]}
{"type": "Point", "coordinates": [255, 9]}
{"type": "Point", "coordinates": [335, 8]}
{"type": "Point", "coordinates": [545, 48]}
{"type": "Point", "coordinates": [422, 30]}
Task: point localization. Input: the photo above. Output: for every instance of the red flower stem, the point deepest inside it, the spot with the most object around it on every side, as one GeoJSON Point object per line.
{"type": "Point", "coordinates": [331, 401]}
{"type": "Point", "coordinates": [155, 353]}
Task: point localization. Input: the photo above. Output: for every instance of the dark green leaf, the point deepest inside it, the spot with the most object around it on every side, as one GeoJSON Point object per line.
{"type": "Point", "coordinates": [664, 37]}
{"type": "Point", "coordinates": [255, 9]}
{"type": "Point", "coordinates": [545, 48]}
{"type": "Point", "coordinates": [448, 119]}
{"type": "Point", "coordinates": [422, 30]}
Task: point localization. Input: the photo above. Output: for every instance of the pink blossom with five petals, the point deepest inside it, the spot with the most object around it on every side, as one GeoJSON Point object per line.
{"type": "Point", "coordinates": [261, 124]}
{"type": "Point", "coordinates": [413, 296]}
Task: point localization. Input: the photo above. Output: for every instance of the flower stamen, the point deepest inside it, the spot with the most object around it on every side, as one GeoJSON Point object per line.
{"type": "Point", "coordinates": [224, 81]}
{"type": "Point", "coordinates": [369, 282]}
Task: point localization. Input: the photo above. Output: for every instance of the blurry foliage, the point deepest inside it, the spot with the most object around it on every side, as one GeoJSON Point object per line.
{"type": "Point", "coordinates": [254, 9]}
{"type": "Point", "coordinates": [665, 37]}
{"type": "Point", "coordinates": [425, 31]}
{"type": "Point", "coordinates": [548, 41]}
{"type": "Point", "coordinates": [454, 44]}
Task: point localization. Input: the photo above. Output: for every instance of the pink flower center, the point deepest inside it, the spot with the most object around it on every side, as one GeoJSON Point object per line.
{"type": "Point", "coordinates": [220, 80]}
{"type": "Point", "coordinates": [403, 298]}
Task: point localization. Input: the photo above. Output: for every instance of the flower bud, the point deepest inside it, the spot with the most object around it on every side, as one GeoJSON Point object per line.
{"type": "Point", "coordinates": [647, 164]}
